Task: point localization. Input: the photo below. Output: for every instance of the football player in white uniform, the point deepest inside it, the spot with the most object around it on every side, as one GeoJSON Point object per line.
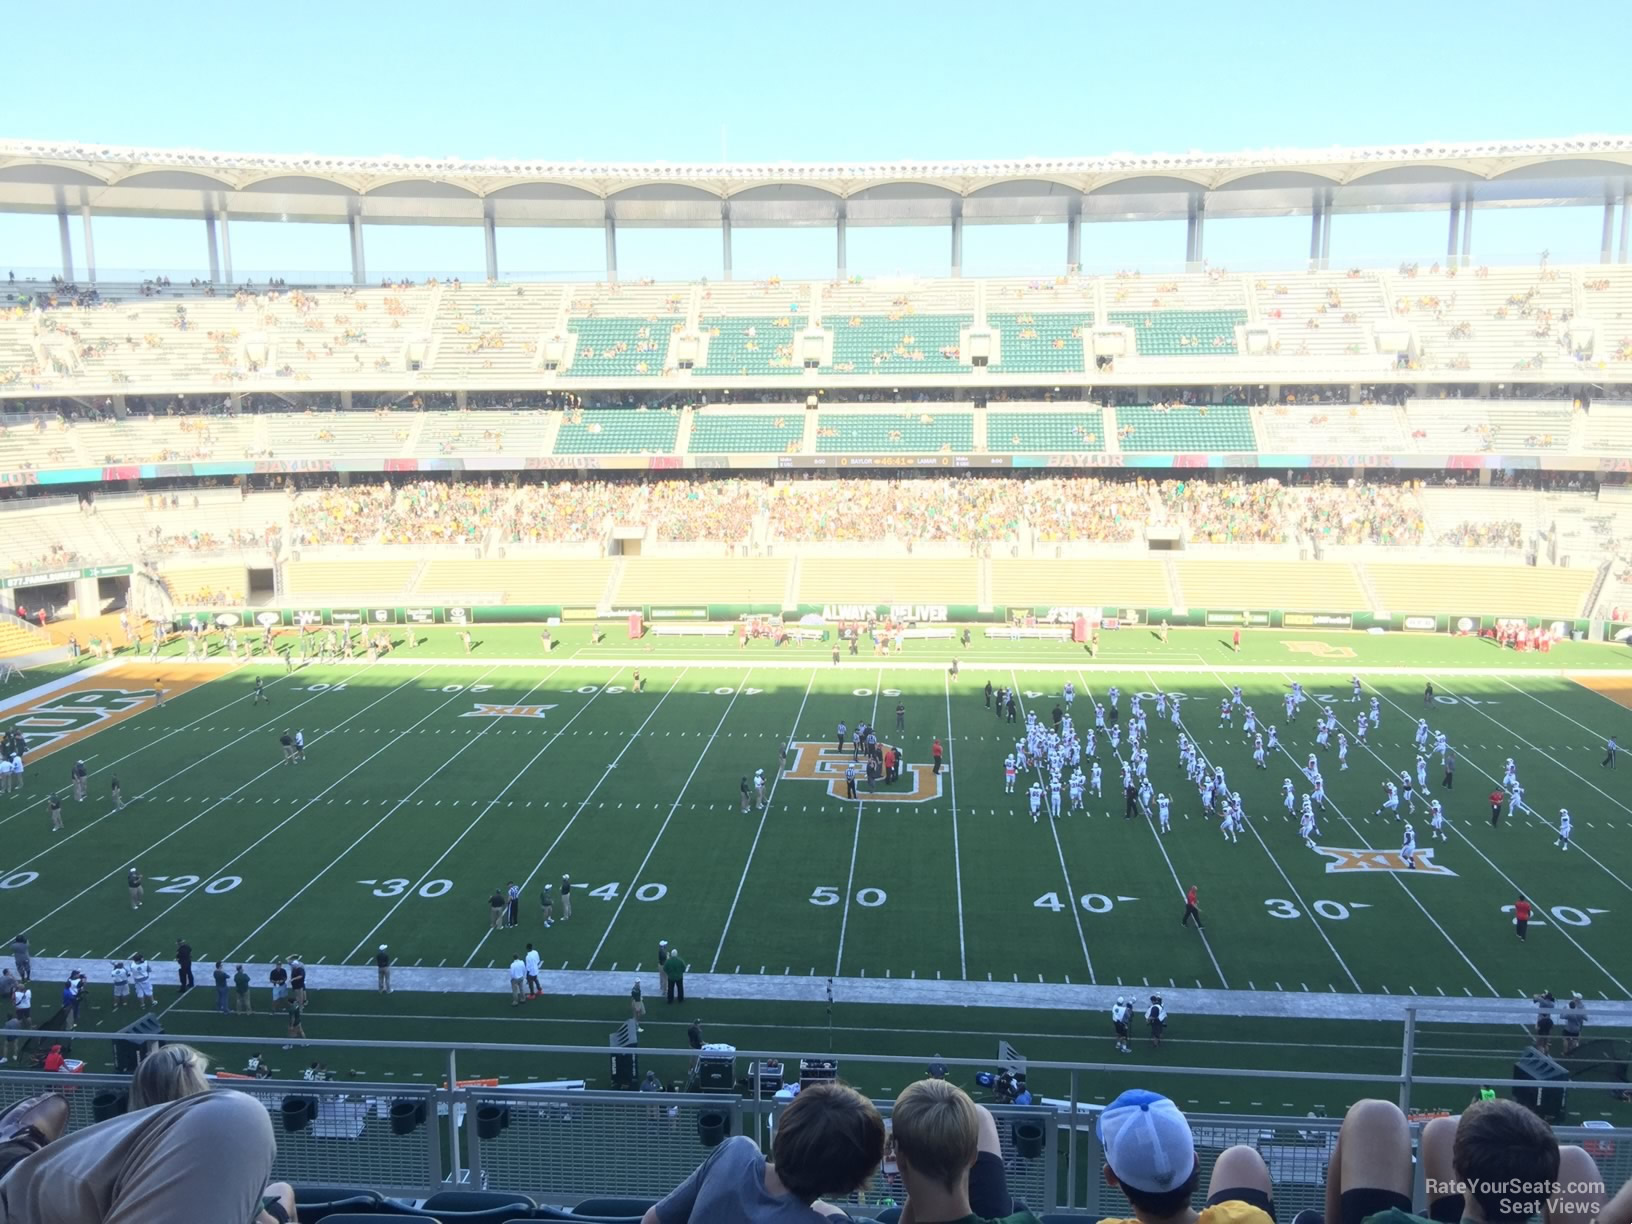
{"type": "Point", "coordinates": [1077, 782]}
{"type": "Point", "coordinates": [1288, 795]}
{"type": "Point", "coordinates": [1008, 774]}
{"type": "Point", "coordinates": [1163, 812]}
{"type": "Point", "coordinates": [1420, 740]}
{"type": "Point", "coordinates": [1408, 850]}
{"type": "Point", "coordinates": [1096, 779]}
{"type": "Point", "coordinates": [1258, 751]}
{"type": "Point", "coordinates": [1342, 752]}
{"type": "Point", "coordinates": [1035, 794]}
{"type": "Point", "coordinates": [1274, 738]}
{"type": "Point", "coordinates": [1391, 800]}
{"type": "Point", "coordinates": [1563, 842]}
{"type": "Point", "coordinates": [1376, 713]}
{"type": "Point", "coordinates": [1436, 821]}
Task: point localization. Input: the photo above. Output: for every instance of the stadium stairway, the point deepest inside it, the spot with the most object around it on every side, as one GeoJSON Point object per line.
{"type": "Point", "coordinates": [614, 579]}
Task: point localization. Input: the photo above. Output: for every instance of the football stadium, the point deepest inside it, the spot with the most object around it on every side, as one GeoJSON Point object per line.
{"type": "Point", "coordinates": [487, 744]}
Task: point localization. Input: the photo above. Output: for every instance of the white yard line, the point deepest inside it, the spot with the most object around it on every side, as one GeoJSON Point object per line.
{"type": "Point", "coordinates": [763, 817]}
{"type": "Point", "coordinates": [390, 812]}
{"type": "Point", "coordinates": [148, 745]}
{"type": "Point", "coordinates": [634, 882]}
{"type": "Point", "coordinates": [957, 858]}
{"type": "Point", "coordinates": [1252, 828]}
{"type": "Point", "coordinates": [855, 843]}
{"type": "Point", "coordinates": [1065, 872]}
{"type": "Point", "coordinates": [1415, 900]}
{"type": "Point", "coordinates": [306, 806]}
{"type": "Point", "coordinates": [1544, 752]}
{"type": "Point", "coordinates": [1530, 813]}
{"type": "Point", "coordinates": [217, 803]}
{"type": "Point", "coordinates": [1474, 846]}
{"type": "Point", "coordinates": [573, 819]}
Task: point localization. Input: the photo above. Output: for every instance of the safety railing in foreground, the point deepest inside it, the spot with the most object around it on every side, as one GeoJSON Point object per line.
{"type": "Point", "coordinates": [564, 1144]}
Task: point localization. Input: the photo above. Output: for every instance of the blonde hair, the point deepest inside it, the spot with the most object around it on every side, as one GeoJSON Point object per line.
{"type": "Point", "coordinates": [168, 1074]}
{"type": "Point", "coordinates": [937, 1130]}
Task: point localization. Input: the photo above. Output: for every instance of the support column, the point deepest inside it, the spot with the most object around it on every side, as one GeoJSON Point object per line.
{"type": "Point", "coordinates": [359, 266]}
{"type": "Point", "coordinates": [725, 237]}
{"type": "Point", "coordinates": [214, 248]}
{"type": "Point", "coordinates": [1201, 230]}
{"type": "Point", "coordinates": [843, 219]}
{"type": "Point", "coordinates": [1456, 221]}
{"type": "Point", "coordinates": [1623, 224]}
{"type": "Point", "coordinates": [67, 243]}
{"type": "Point", "coordinates": [1073, 237]}
{"type": "Point", "coordinates": [1326, 232]}
{"type": "Point", "coordinates": [490, 240]}
{"type": "Point", "coordinates": [611, 248]}
{"type": "Point", "coordinates": [226, 247]}
{"type": "Point", "coordinates": [1315, 227]}
{"type": "Point", "coordinates": [1190, 233]}
{"type": "Point", "coordinates": [957, 237]}
{"type": "Point", "coordinates": [1607, 245]}
{"type": "Point", "coordinates": [90, 243]}
{"type": "Point", "coordinates": [1467, 229]}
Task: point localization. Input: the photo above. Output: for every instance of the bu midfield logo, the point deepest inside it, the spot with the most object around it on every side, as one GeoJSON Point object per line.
{"type": "Point", "coordinates": [1380, 860]}
{"type": "Point", "coordinates": [822, 762]}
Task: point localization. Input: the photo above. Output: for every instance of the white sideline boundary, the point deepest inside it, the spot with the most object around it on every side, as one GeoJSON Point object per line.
{"type": "Point", "coordinates": [896, 663]}
{"type": "Point", "coordinates": [922, 992]}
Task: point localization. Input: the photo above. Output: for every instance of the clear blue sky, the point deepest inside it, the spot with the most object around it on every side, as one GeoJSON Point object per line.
{"type": "Point", "coordinates": [789, 82]}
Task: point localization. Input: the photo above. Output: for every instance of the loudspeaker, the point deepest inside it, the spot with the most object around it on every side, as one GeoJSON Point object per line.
{"type": "Point", "coordinates": [817, 1071]}
{"type": "Point", "coordinates": [133, 1041]}
{"type": "Point", "coordinates": [625, 1071]}
{"type": "Point", "coordinates": [1547, 1101]}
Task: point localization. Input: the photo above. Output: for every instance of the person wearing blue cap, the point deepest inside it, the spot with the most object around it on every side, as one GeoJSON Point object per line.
{"type": "Point", "coordinates": [1150, 1155]}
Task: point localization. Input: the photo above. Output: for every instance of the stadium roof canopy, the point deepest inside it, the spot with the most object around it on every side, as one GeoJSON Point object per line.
{"type": "Point", "coordinates": [357, 192]}
{"type": "Point", "coordinates": [51, 177]}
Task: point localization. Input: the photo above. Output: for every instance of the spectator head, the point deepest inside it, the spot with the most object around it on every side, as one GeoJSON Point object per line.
{"type": "Point", "coordinates": [168, 1074]}
{"type": "Point", "coordinates": [829, 1142]}
{"type": "Point", "coordinates": [936, 1131]}
{"type": "Point", "coordinates": [1509, 1159]}
{"type": "Point", "coordinates": [1150, 1153]}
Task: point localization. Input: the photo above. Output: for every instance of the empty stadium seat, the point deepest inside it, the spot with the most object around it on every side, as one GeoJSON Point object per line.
{"type": "Point", "coordinates": [751, 344]}
{"type": "Point", "coordinates": [621, 347]}
{"type": "Point", "coordinates": [1182, 333]}
{"type": "Point", "coordinates": [716, 433]}
{"type": "Point", "coordinates": [925, 344]}
{"type": "Point", "coordinates": [617, 431]}
{"type": "Point", "coordinates": [920, 429]}
{"type": "Point", "coordinates": [1045, 431]}
{"type": "Point", "coordinates": [1185, 427]}
{"type": "Point", "coordinates": [1041, 342]}
{"type": "Point", "coordinates": [613, 1207]}
{"type": "Point", "coordinates": [466, 1201]}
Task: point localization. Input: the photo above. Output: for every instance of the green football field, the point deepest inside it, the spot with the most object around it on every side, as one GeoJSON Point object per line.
{"type": "Point", "coordinates": [433, 778]}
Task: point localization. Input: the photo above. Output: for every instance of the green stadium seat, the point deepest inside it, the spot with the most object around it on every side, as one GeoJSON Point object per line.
{"type": "Point", "coordinates": [617, 431]}
{"type": "Point", "coordinates": [1182, 333]}
{"type": "Point", "coordinates": [902, 344]}
{"type": "Point", "coordinates": [1185, 427]}
{"type": "Point", "coordinates": [716, 433]}
{"type": "Point", "coordinates": [768, 350]}
{"type": "Point", "coordinates": [916, 429]}
{"type": "Point", "coordinates": [621, 347]}
{"type": "Point", "coordinates": [1041, 342]}
{"type": "Point", "coordinates": [1020, 432]}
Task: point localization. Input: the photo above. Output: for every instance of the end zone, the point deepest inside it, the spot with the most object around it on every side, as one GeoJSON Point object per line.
{"type": "Point", "coordinates": [68, 711]}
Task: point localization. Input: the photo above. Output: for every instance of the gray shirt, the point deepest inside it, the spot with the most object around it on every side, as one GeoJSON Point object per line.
{"type": "Point", "coordinates": [729, 1188]}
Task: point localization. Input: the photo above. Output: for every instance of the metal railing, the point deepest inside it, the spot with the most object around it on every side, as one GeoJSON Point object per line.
{"type": "Point", "coordinates": [566, 1145]}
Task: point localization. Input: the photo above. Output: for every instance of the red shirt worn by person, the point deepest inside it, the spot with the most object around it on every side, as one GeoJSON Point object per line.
{"type": "Point", "coordinates": [935, 748]}
{"type": "Point", "coordinates": [1521, 910]}
{"type": "Point", "coordinates": [1190, 897]}
{"type": "Point", "coordinates": [1495, 798]}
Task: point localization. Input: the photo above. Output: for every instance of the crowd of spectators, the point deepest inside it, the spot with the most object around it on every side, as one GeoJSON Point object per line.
{"type": "Point", "coordinates": [1483, 533]}
{"type": "Point", "coordinates": [424, 512]}
{"type": "Point", "coordinates": [1357, 513]}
